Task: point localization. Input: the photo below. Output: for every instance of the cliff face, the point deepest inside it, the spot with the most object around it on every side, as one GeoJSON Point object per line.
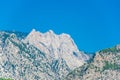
{"type": "Point", "coordinates": [38, 56]}
{"type": "Point", "coordinates": [104, 66]}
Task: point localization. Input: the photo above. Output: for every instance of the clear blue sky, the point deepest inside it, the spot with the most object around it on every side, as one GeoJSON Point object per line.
{"type": "Point", "coordinates": [93, 24]}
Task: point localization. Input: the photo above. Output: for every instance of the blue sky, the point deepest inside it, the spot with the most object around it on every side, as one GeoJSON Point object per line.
{"type": "Point", "coordinates": [93, 24]}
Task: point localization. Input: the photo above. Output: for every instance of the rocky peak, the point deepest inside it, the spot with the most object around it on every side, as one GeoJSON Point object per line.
{"type": "Point", "coordinates": [57, 46]}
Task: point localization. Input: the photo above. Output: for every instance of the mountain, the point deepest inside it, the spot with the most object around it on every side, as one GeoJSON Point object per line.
{"type": "Point", "coordinates": [49, 56]}
{"type": "Point", "coordinates": [105, 65]}
{"type": "Point", "coordinates": [38, 56]}
{"type": "Point", "coordinates": [57, 47]}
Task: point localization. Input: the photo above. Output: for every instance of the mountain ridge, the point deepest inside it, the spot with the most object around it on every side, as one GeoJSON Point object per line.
{"type": "Point", "coordinates": [21, 60]}
{"type": "Point", "coordinates": [50, 56]}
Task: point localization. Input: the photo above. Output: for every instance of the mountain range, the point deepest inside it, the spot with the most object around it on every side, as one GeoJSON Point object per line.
{"type": "Point", "coordinates": [49, 56]}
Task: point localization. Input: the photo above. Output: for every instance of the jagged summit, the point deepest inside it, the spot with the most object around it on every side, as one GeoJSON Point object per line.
{"type": "Point", "coordinates": [50, 32]}
{"type": "Point", "coordinates": [57, 46]}
{"type": "Point", "coordinates": [50, 36]}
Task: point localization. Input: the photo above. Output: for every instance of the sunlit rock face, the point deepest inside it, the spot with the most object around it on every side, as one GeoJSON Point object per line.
{"type": "Point", "coordinates": [57, 46]}
{"type": "Point", "coordinates": [38, 56]}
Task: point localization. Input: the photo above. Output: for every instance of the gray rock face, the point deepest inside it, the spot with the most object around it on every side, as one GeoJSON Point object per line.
{"type": "Point", "coordinates": [104, 66]}
{"type": "Point", "coordinates": [23, 59]}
